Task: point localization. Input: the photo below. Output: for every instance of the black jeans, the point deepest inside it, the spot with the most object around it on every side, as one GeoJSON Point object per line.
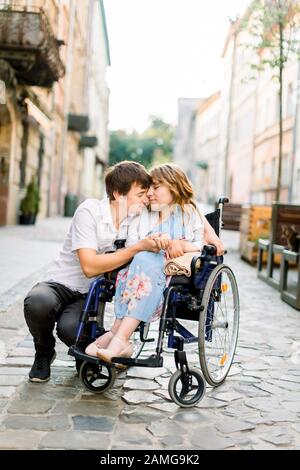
{"type": "Point", "coordinates": [48, 303]}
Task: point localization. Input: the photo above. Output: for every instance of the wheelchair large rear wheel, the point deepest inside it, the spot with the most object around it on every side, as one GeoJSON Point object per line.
{"type": "Point", "coordinates": [218, 325]}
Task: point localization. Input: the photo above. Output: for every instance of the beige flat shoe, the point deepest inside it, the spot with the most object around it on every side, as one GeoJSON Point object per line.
{"type": "Point", "coordinates": [100, 343]}
{"type": "Point", "coordinates": [125, 350]}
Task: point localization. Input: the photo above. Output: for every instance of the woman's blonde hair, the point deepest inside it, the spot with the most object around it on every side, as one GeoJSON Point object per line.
{"type": "Point", "coordinates": [178, 183]}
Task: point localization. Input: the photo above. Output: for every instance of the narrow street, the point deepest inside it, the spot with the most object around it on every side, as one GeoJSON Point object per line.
{"type": "Point", "coordinates": [257, 407]}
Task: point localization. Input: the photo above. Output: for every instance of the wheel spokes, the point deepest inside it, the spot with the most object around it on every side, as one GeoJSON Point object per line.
{"type": "Point", "coordinates": [220, 321]}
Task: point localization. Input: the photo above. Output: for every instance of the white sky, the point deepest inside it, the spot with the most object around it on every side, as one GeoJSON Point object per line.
{"type": "Point", "coordinates": [162, 50]}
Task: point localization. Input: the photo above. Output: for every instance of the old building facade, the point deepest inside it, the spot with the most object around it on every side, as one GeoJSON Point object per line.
{"type": "Point", "coordinates": [49, 73]}
{"type": "Point", "coordinates": [248, 125]}
{"type": "Point", "coordinates": [184, 155]}
{"type": "Point", "coordinates": [208, 185]}
{"type": "Point", "coordinates": [241, 116]}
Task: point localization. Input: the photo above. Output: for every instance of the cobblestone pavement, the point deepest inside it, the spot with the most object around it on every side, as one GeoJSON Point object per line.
{"type": "Point", "coordinates": [25, 252]}
{"type": "Point", "coordinates": [258, 407]}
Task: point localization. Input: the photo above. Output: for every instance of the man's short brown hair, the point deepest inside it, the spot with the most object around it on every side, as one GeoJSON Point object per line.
{"type": "Point", "coordinates": [122, 176]}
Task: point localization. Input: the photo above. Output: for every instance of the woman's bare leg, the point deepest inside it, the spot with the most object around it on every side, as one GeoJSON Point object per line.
{"type": "Point", "coordinates": [104, 340]}
{"type": "Point", "coordinates": [115, 326]}
{"type": "Point", "coordinates": [127, 326]}
{"type": "Point", "coordinates": [121, 338]}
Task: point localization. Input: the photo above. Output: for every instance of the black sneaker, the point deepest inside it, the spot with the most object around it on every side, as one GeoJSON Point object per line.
{"type": "Point", "coordinates": [40, 371]}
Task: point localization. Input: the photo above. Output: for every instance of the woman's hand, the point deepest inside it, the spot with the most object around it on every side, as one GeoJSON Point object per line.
{"type": "Point", "coordinates": [152, 236]}
{"type": "Point", "coordinates": [175, 249]}
{"type": "Point", "coordinates": [218, 244]}
{"type": "Point", "coordinates": [211, 238]}
{"type": "Point", "coordinates": [162, 242]}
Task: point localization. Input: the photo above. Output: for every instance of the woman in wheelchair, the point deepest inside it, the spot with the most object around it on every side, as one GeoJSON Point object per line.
{"type": "Point", "coordinates": [177, 227]}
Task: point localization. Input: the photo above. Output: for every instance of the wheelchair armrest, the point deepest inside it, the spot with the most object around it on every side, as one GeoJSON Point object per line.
{"type": "Point", "coordinates": [120, 243]}
{"type": "Point", "coordinates": [112, 275]}
{"type": "Point", "coordinates": [196, 261]}
{"type": "Point", "coordinates": [195, 264]}
{"type": "Point", "coordinates": [209, 250]}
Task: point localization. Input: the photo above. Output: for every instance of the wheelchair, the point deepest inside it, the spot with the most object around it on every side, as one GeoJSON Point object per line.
{"type": "Point", "coordinates": [200, 312]}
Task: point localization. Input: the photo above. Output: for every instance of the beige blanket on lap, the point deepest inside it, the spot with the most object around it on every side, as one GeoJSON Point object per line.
{"type": "Point", "coordinates": [180, 266]}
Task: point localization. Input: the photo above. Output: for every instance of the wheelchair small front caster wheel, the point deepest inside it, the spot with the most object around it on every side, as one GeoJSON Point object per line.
{"type": "Point", "coordinates": [188, 388]}
{"type": "Point", "coordinates": [97, 378]}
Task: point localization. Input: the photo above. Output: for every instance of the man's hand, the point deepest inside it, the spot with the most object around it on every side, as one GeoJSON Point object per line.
{"type": "Point", "coordinates": [147, 245]}
{"type": "Point", "coordinates": [175, 249]}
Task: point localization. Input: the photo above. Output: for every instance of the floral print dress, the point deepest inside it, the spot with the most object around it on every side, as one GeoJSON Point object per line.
{"type": "Point", "coordinates": [140, 286]}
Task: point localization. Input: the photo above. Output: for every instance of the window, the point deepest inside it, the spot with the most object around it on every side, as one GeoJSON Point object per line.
{"type": "Point", "coordinates": [284, 171]}
{"type": "Point", "coordinates": [263, 172]}
{"type": "Point", "coordinates": [277, 106]}
{"type": "Point", "coordinates": [273, 171]}
{"type": "Point", "coordinates": [289, 100]}
{"type": "Point", "coordinates": [297, 194]}
{"type": "Point", "coordinates": [235, 131]}
{"type": "Point", "coordinates": [2, 92]}
{"type": "Point", "coordinates": [267, 113]}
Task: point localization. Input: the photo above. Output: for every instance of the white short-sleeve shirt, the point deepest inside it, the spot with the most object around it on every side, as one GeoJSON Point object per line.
{"type": "Point", "coordinates": [91, 227]}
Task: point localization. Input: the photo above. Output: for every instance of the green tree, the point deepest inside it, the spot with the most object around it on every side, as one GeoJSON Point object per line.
{"type": "Point", "coordinates": [153, 146]}
{"type": "Point", "coordinates": [162, 135]}
{"type": "Point", "coordinates": [274, 24]}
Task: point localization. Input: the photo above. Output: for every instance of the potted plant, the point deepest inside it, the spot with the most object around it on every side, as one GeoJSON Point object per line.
{"type": "Point", "coordinates": [29, 206]}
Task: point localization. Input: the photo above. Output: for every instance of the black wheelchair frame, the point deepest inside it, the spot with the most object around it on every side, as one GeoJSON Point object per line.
{"type": "Point", "coordinates": [184, 299]}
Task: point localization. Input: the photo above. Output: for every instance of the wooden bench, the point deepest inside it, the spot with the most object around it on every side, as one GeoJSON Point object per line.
{"type": "Point", "coordinates": [231, 216]}
{"type": "Point", "coordinates": [292, 298]}
{"type": "Point", "coordinates": [283, 215]}
{"type": "Point", "coordinates": [255, 224]}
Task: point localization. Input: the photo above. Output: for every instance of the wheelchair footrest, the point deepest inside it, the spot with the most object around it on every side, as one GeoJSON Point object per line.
{"type": "Point", "coordinates": [75, 352]}
{"type": "Point", "coordinates": [151, 361]}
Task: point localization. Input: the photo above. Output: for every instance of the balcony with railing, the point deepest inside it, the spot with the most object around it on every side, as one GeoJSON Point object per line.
{"type": "Point", "coordinates": [28, 44]}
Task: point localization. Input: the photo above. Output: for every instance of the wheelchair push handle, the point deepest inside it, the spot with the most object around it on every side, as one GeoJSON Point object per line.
{"type": "Point", "coordinates": [120, 243]}
{"type": "Point", "coordinates": [223, 200]}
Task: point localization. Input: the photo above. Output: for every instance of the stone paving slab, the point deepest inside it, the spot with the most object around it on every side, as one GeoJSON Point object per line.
{"type": "Point", "coordinates": [75, 440]}
{"type": "Point", "coordinates": [37, 423]}
{"type": "Point", "coordinates": [18, 439]}
{"type": "Point", "coordinates": [258, 407]}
